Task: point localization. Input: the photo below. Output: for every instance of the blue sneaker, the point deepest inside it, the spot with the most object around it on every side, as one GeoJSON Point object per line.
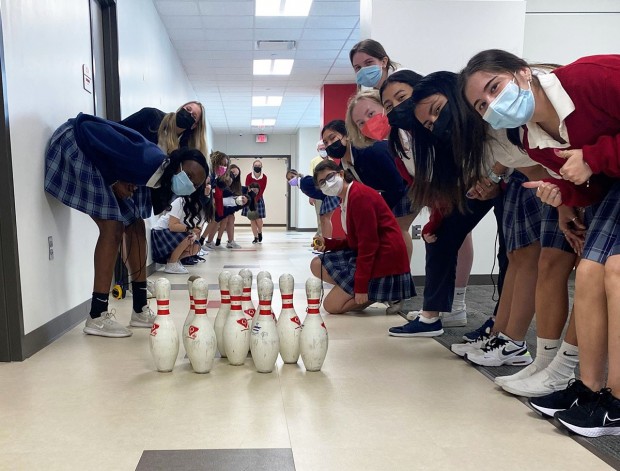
{"type": "Point", "coordinates": [417, 328]}
{"type": "Point", "coordinates": [480, 332]}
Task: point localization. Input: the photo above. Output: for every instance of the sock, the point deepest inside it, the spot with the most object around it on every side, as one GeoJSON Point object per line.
{"type": "Point", "coordinates": [546, 350]}
{"type": "Point", "coordinates": [139, 295]}
{"type": "Point", "coordinates": [218, 241]}
{"type": "Point", "coordinates": [98, 304]}
{"type": "Point", "coordinates": [565, 362]}
{"type": "Point", "coordinates": [426, 320]}
{"type": "Point", "coordinates": [202, 241]}
{"type": "Point", "coordinates": [458, 303]}
{"type": "Point", "coordinates": [520, 343]}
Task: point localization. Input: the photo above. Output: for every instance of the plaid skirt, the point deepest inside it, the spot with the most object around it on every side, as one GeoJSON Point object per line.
{"type": "Point", "coordinates": [73, 179]}
{"type": "Point", "coordinates": [403, 207]}
{"type": "Point", "coordinates": [329, 204]}
{"type": "Point", "coordinates": [521, 220]}
{"type": "Point", "coordinates": [603, 235]}
{"type": "Point", "coordinates": [260, 207]}
{"type": "Point", "coordinates": [164, 242]}
{"type": "Point", "coordinates": [341, 264]}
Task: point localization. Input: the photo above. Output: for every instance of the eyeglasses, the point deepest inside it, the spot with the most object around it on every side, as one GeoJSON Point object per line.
{"type": "Point", "coordinates": [328, 179]}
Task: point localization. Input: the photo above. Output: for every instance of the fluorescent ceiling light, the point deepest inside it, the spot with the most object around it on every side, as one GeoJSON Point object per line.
{"type": "Point", "coordinates": [263, 122]}
{"type": "Point", "coordinates": [266, 100]}
{"type": "Point", "coordinates": [273, 66]}
{"type": "Point", "coordinates": [283, 7]}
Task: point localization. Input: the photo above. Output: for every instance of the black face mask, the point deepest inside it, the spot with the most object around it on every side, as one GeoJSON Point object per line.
{"type": "Point", "coordinates": [402, 116]}
{"type": "Point", "coordinates": [336, 150]}
{"type": "Point", "coordinates": [442, 127]}
{"type": "Point", "coordinates": [184, 119]}
{"type": "Point", "coordinates": [258, 169]}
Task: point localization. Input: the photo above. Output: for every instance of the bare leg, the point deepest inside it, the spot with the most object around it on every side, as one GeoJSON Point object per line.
{"type": "Point", "coordinates": [230, 228]}
{"type": "Point", "coordinates": [254, 228]}
{"type": "Point", "coordinates": [211, 229]}
{"type": "Point", "coordinates": [612, 280]}
{"type": "Point", "coordinates": [464, 262]}
{"type": "Point", "coordinates": [106, 251]}
{"type": "Point", "coordinates": [135, 246]}
{"type": "Point", "coordinates": [223, 227]}
{"type": "Point", "coordinates": [404, 222]}
{"type": "Point", "coordinates": [505, 300]}
{"type": "Point", "coordinates": [181, 251]}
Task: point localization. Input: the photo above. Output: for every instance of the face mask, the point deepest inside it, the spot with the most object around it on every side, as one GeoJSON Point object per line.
{"type": "Point", "coordinates": [442, 127]}
{"type": "Point", "coordinates": [184, 119]}
{"type": "Point", "coordinates": [234, 176]}
{"type": "Point", "coordinates": [294, 181]}
{"type": "Point", "coordinates": [323, 153]}
{"type": "Point", "coordinates": [334, 187]}
{"type": "Point", "coordinates": [258, 169]}
{"type": "Point", "coordinates": [336, 150]}
{"type": "Point", "coordinates": [221, 170]}
{"type": "Point", "coordinates": [182, 185]}
{"type": "Point", "coordinates": [402, 116]}
{"type": "Point", "coordinates": [376, 128]}
{"type": "Point", "coordinates": [512, 108]}
{"type": "Point", "coordinates": [369, 76]}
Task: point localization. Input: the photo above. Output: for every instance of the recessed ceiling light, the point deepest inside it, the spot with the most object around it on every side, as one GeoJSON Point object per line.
{"type": "Point", "coordinates": [273, 66]}
{"type": "Point", "coordinates": [283, 7]}
{"type": "Point", "coordinates": [263, 122]}
{"type": "Point", "coordinates": [266, 100]}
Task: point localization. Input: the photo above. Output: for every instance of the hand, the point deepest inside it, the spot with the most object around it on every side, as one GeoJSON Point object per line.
{"type": "Point", "coordinates": [547, 192]}
{"type": "Point", "coordinates": [311, 201]}
{"type": "Point", "coordinates": [429, 238]}
{"type": "Point", "coordinates": [318, 243]}
{"type": "Point", "coordinates": [197, 231]}
{"type": "Point", "coordinates": [123, 190]}
{"type": "Point", "coordinates": [573, 228]}
{"type": "Point", "coordinates": [361, 298]}
{"type": "Point", "coordinates": [575, 169]}
{"type": "Point", "coordinates": [483, 190]}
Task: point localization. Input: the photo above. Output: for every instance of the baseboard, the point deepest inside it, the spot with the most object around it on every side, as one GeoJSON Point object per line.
{"type": "Point", "coordinates": [473, 280]}
{"type": "Point", "coordinates": [47, 333]}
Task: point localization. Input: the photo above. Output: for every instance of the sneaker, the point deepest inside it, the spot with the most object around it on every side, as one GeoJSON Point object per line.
{"type": "Point", "coordinates": [208, 246]}
{"type": "Point", "coordinates": [255, 241]}
{"type": "Point", "coordinates": [462, 349]}
{"type": "Point", "coordinates": [501, 350]}
{"type": "Point", "coordinates": [576, 394]}
{"type": "Point", "coordinates": [175, 269]}
{"type": "Point", "coordinates": [539, 384]}
{"type": "Point", "coordinates": [260, 236]}
{"type": "Point", "coordinates": [475, 334]}
{"type": "Point", "coordinates": [595, 418]}
{"type": "Point", "coordinates": [454, 318]}
{"type": "Point", "coordinates": [232, 245]}
{"type": "Point", "coordinates": [104, 326]}
{"type": "Point", "coordinates": [523, 374]}
{"type": "Point", "coordinates": [189, 261]}
{"type": "Point", "coordinates": [143, 318]}
{"type": "Point", "coordinates": [150, 289]}
{"type": "Point", "coordinates": [202, 253]}
{"type": "Point", "coordinates": [417, 328]}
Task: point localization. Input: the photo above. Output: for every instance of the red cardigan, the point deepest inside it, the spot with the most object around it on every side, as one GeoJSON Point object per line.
{"type": "Point", "coordinates": [372, 231]}
{"type": "Point", "coordinates": [593, 83]}
{"type": "Point", "coordinates": [262, 183]}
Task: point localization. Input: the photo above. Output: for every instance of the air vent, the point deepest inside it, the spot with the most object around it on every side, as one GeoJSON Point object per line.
{"type": "Point", "coordinates": [275, 45]}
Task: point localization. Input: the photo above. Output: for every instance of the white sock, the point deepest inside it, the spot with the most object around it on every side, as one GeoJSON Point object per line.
{"type": "Point", "coordinates": [427, 320]}
{"type": "Point", "coordinates": [565, 362]}
{"type": "Point", "coordinates": [519, 343]}
{"type": "Point", "coordinates": [546, 350]}
{"type": "Point", "coordinates": [458, 303]}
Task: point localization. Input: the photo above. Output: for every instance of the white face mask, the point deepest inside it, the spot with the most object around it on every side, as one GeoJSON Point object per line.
{"type": "Point", "coordinates": [334, 187]}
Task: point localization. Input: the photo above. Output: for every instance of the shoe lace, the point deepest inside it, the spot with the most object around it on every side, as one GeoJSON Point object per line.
{"type": "Point", "coordinates": [494, 343]}
{"type": "Point", "coordinates": [109, 315]}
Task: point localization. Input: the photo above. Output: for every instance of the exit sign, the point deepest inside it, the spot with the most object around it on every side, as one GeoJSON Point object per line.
{"type": "Point", "coordinates": [262, 138]}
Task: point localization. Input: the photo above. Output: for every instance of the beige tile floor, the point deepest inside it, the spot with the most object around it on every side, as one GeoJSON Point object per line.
{"type": "Point", "coordinates": [380, 403]}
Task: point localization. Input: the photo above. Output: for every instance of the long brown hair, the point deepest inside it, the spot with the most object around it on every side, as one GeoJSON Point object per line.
{"type": "Point", "coordinates": [168, 139]}
{"type": "Point", "coordinates": [373, 49]}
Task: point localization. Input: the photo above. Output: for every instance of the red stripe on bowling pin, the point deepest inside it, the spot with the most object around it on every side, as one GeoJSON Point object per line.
{"type": "Point", "coordinates": [313, 306]}
{"type": "Point", "coordinates": [265, 309]}
{"type": "Point", "coordinates": [289, 304]}
{"type": "Point", "coordinates": [200, 306]}
{"type": "Point", "coordinates": [225, 297]}
{"type": "Point", "coordinates": [163, 308]}
{"type": "Point", "coordinates": [237, 300]}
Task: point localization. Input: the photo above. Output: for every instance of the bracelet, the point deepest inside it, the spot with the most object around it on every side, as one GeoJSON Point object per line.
{"type": "Point", "coordinates": [495, 178]}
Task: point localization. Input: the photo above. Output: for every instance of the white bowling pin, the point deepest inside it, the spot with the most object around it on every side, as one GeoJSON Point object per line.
{"type": "Point", "coordinates": [264, 342]}
{"type": "Point", "coordinates": [313, 340]}
{"type": "Point", "coordinates": [201, 342]}
{"type": "Point", "coordinates": [246, 300]}
{"type": "Point", "coordinates": [236, 330]}
{"type": "Point", "coordinates": [223, 311]}
{"type": "Point", "coordinates": [190, 313]}
{"type": "Point", "coordinates": [289, 325]}
{"type": "Point", "coordinates": [164, 340]}
{"type": "Point", "coordinates": [261, 275]}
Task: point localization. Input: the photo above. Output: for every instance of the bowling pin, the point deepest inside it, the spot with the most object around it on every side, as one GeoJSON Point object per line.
{"type": "Point", "coordinates": [222, 313]}
{"type": "Point", "coordinates": [264, 341]}
{"type": "Point", "coordinates": [261, 275]}
{"type": "Point", "coordinates": [289, 325]}
{"type": "Point", "coordinates": [313, 340]}
{"type": "Point", "coordinates": [236, 329]}
{"type": "Point", "coordinates": [190, 314]}
{"type": "Point", "coordinates": [164, 340]}
{"type": "Point", "coordinates": [246, 300]}
{"type": "Point", "coordinates": [201, 342]}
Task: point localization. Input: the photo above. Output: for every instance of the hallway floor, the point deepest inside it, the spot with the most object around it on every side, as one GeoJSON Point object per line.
{"type": "Point", "coordinates": [379, 403]}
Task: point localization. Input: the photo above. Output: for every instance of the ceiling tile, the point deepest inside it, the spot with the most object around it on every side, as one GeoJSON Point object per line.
{"type": "Point", "coordinates": [182, 22]}
{"type": "Point", "coordinates": [176, 7]}
{"type": "Point", "coordinates": [227, 21]}
{"type": "Point", "coordinates": [229, 8]}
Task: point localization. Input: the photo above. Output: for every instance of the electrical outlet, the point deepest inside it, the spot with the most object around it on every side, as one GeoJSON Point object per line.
{"type": "Point", "coordinates": [416, 232]}
{"type": "Point", "coordinates": [50, 245]}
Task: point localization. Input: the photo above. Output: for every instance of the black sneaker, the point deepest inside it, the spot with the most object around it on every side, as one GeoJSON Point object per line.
{"type": "Point", "coordinates": [479, 333]}
{"type": "Point", "coordinates": [255, 241]}
{"type": "Point", "coordinates": [576, 394]}
{"type": "Point", "coordinates": [593, 419]}
{"type": "Point", "coordinates": [260, 236]}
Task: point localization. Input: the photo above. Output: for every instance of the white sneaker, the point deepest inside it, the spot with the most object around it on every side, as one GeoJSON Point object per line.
{"type": "Point", "coordinates": [232, 245]}
{"type": "Point", "coordinates": [175, 268]}
{"type": "Point", "coordinates": [208, 246]}
{"type": "Point", "coordinates": [462, 349]}
{"type": "Point", "coordinates": [202, 253]}
{"type": "Point", "coordinates": [538, 384]}
{"type": "Point", "coordinates": [524, 373]}
{"type": "Point", "coordinates": [104, 326]}
{"type": "Point", "coordinates": [143, 318]}
{"type": "Point", "coordinates": [150, 289]}
{"type": "Point", "coordinates": [501, 350]}
{"type": "Point", "coordinates": [454, 318]}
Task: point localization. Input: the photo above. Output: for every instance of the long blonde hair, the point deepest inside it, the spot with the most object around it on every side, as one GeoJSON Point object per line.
{"type": "Point", "coordinates": [168, 140]}
{"type": "Point", "coordinates": [355, 134]}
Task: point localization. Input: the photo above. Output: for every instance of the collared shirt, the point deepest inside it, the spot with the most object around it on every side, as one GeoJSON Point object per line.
{"type": "Point", "coordinates": [343, 209]}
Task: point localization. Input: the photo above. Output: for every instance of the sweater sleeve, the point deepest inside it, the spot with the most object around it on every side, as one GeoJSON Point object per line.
{"type": "Point", "coordinates": [365, 221]}
{"type": "Point", "coordinates": [336, 244]}
{"type": "Point", "coordinates": [262, 183]}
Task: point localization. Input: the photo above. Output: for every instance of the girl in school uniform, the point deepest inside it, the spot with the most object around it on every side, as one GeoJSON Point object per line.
{"type": "Point", "coordinates": [257, 176]}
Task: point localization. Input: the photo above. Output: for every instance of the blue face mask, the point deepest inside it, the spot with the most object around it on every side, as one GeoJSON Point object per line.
{"type": "Point", "coordinates": [512, 108]}
{"type": "Point", "coordinates": [369, 76]}
{"type": "Point", "coordinates": [182, 185]}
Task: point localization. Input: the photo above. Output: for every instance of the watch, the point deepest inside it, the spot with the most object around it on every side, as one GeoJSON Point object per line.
{"type": "Point", "coordinates": [494, 177]}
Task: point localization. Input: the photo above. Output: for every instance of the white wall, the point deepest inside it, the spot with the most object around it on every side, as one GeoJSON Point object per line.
{"type": "Point", "coordinates": [306, 151]}
{"type": "Point", "coordinates": [46, 42]}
